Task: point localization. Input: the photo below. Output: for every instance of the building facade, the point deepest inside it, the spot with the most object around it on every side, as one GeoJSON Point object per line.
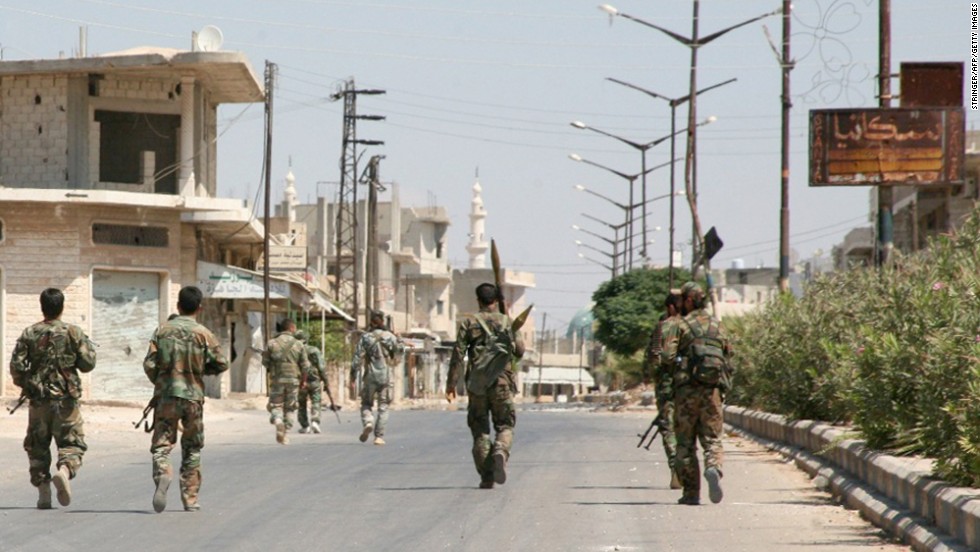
{"type": "Point", "coordinates": [108, 180]}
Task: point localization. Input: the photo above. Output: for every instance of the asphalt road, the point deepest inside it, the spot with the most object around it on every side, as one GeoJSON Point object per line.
{"type": "Point", "coordinates": [576, 481]}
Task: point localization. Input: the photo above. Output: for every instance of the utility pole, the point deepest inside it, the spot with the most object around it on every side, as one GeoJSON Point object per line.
{"type": "Point", "coordinates": [690, 158]}
{"type": "Point", "coordinates": [786, 64]}
{"type": "Point", "coordinates": [885, 192]}
{"type": "Point", "coordinates": [373, 182]}
{"type": "Point", "coordinates": [347, 270]}
{"type": "Point", "coordinates": [544, 324]}
{"type": "Point", "coordinates": [270, 79]}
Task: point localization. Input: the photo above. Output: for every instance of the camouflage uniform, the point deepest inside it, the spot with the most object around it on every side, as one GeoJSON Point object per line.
{"type": "Point", "coordinates": [45, 365]}
{"type": "Point", "coordinates": [495, 401]}
{"type": "Point", "coordinates": [286, 361]}
{"type": "Point", "coordinates": [378, 348]}
{"type": "Point", "coordinates": [314, 380]}
{"type": "Point", "coordinates": [698, 407]}
{"type": "Point", "coordinates": [181, 353]}
{"type": "Point", "coordinates": [663, 383]}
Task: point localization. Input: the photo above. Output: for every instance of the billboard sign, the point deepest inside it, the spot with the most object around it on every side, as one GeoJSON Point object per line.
{"type": "Point", "coordinates": [887, 146]}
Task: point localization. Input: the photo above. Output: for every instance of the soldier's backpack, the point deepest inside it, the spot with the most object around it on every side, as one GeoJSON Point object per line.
{"type": "Point", "coordinates": [706, 361]}
{"type": "Point", "coordinates": [55, 357]}
{"type": "Point", "coordinates": [498, 350]}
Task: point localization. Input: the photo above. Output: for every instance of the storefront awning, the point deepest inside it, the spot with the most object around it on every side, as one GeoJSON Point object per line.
{"type": "Point", "coordinates": [559, 376]}
{"type": "Point", "coordinates": [232, 282]}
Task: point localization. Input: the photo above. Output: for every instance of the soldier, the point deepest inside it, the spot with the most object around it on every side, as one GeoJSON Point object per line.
{"type": "Point", "coordinates": [377, 350]}
{"type": "Point", "coordinates": [310, 387]}
{"type": "Point", "coordinates": [286, 360]}
{"type": "Point", "coordinates": [45, 365]}
{"type": "Point", "coordinates": [488, 340]}
{"type": "Point", "coordinates": [181, 353]}
{"type": "Point", "coordinates": [700, 353]}
{"type": "Point", "coordinates": [661, 374]}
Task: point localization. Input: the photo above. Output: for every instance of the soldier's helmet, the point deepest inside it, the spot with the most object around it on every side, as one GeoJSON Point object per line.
{"type": "Point", "coordinates": [692, 290]}
{"type": "Point", "coordinates": [302, 336]}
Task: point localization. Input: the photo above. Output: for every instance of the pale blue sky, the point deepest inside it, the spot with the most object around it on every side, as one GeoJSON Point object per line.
{"type": "Point", "coordinates": [495, 85]}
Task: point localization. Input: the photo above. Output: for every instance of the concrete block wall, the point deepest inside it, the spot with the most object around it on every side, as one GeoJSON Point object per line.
{"type": "Point", "coordinates": [48, 245]}
{"type": "Point", "coordinates": [906, 481]}
{"type": "Point", "coordinates": [114, 86]}
{"type": "Point", "coordinates": [34, 127]}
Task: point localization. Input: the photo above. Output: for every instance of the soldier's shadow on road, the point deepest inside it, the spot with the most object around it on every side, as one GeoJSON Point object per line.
{"type": "Point", "coordinates": [454, 488]}
{"type": "Point", "coordinates": [146, 512]}
{"type": "Point", "coordinates": [620, 487]}
{"type": "Point", "coordinates": [5, 508]}
{"type": "Point", "coordinates": [650, 503]}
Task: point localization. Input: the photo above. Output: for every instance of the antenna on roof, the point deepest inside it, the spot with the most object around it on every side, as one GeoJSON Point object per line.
{"type": "Point", "coordinates": [208, 39]}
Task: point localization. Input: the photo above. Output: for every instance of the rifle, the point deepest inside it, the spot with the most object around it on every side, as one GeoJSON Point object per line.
{"type": "Point", "coordinates": [658, 422]}
{"type": "Point", "coordinates": [333, 406]}
{"type": "Point", "coordinates": [150, 406]}
{"type": "Point", "coordinates": [23, 398]}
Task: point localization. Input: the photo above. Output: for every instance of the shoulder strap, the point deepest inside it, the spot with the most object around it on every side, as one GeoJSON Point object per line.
{"type": "Point", "coordinates": [483, 324]}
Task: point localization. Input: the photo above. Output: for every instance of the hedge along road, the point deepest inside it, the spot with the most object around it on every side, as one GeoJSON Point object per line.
{"type": "Point", "coordinates": [576, 481]}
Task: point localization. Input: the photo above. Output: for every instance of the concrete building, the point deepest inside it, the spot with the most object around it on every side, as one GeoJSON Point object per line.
{"type": "Point", "coordinates": [108, 178]}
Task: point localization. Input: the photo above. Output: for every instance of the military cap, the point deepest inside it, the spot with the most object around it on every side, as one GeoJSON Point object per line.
{"type": "Point", "coordinates": [377, 315]}
{"type": "Point", "coordinates": [302, 335]}
{"type": "Point", "coordinates": [692, 289]}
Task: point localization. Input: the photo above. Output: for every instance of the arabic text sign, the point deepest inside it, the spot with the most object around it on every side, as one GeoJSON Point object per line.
{"type": "Point", "coordinates": [222, 282]}
{"type": "Point", "coordinates": [286, 258]}
{"type": "Point", "coordinates": [886, 146]}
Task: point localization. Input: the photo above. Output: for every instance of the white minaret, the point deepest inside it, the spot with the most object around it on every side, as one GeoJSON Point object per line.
{"type": "Point", "coordinates": [290, 196]}
{"type": "Point", "coordinates": [477, 246]}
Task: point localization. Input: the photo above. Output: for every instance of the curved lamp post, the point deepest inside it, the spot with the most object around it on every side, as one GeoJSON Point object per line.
{"type": "Point", "coordinates": [694, 43]}
{"type": "Point", "coordinates": [642, 148]}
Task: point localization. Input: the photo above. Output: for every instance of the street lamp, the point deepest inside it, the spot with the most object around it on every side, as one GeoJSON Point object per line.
{"type": "Point", "coordinates": [693, 43]}
{"type": "Point", "coordinates": [631, 178]}
{"type": "Point", "coordinates": [581, 243]}
{"type": "Point", "coordinates": [613, 242]}
{"type": "Point", "coordinates": [642, 148]}
{"type": "Point", "coordinates": [628, 212]}
{"type": "Point", "coordinates": [603, 265]}
{"type": "Point", "coordinates": [673, 102]}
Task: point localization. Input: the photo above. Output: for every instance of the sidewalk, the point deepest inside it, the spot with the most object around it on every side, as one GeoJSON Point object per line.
{"type": "Point", "coordinates": [895, 493]}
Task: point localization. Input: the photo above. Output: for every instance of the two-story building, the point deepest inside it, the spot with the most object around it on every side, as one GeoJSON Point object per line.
{"type": "Point", "coordinates": [108, 185]}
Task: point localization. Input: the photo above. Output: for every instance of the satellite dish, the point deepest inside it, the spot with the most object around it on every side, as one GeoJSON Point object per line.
{"type": "Point", "coordinates": [209, 39]}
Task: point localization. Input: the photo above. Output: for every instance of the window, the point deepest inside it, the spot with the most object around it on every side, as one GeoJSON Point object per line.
{"type": "Point", "coordinates": [123, 138]}
{"type": "Point", "coordinates": [440, 306]}
{"type": "Point", "coordinates": [124, 234]}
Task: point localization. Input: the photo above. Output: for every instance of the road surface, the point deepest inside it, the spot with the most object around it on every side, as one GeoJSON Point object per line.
{"type": "Point", "coordinates": [576, 482]}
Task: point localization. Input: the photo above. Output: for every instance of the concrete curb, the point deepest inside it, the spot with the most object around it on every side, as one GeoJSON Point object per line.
{"type": "Point", "coordinates": [896, 494]}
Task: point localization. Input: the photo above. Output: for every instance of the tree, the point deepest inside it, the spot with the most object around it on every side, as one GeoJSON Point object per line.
{"type": "Point", "coordinates": [628, 307]}
{"type": "Point", "coordinates": [335, 348]}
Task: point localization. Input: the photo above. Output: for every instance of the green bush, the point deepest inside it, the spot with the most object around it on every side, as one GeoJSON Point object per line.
{"type": "Point", "coordinates": [894, 351]}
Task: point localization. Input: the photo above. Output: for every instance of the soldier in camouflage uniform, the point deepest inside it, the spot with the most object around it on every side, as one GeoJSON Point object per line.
{"type": "Point", "coordinates": [181, 353]}
{"type": "Point", "coordinates": [663, 382]}
{"type": "Point", "coordinates": [377, 349]}
{"type": "Point", "coordinates": [698, 400]}
{"type": "Point", "coordinates": [311, 387]}
{"type": "Point", "coordinates": [286, 361]}
{"type": "Point", "coordinates": [491, 346]}
{"type": "Point", "coordinates": [45, 365]}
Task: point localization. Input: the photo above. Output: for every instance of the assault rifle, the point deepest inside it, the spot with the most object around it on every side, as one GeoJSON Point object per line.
{"type": "Point", "coordinates": [657, 422]}
{"type": "Point", "coordinates": [150, 406]}
{"type": "Point", "coordinates": [333, 405]}
{"type": "Point", "coordinates": [20, 402]}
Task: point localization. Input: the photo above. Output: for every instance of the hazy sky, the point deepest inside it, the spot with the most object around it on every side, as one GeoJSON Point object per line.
{"type": "Point", "coordinates": [494, 85]}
